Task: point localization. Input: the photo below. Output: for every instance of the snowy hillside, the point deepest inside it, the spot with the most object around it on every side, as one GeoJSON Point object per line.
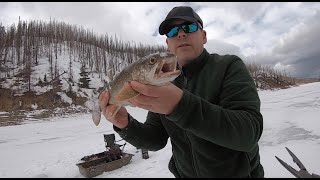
{"type": "Point", "coordinates": [51, 148]}
{"type": "Point", "coordinates": [43, 68]}
{"type": "Point", "coordinates": [66, 66]}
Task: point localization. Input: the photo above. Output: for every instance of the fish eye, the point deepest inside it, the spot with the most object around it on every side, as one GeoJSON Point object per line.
{"type": "Point", "coordinates": [153, 61]}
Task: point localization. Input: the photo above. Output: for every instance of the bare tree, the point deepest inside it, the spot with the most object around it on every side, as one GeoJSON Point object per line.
{"type": "Point", "coordinates": [29, 40]}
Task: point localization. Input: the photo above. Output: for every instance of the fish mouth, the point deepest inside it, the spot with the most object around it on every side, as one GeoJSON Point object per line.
{"type": "Point", "coordinates": [167, 68]}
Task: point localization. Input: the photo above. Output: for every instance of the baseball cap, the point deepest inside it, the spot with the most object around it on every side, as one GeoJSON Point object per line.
{"type": "Point", "coordinates": [179, 12]}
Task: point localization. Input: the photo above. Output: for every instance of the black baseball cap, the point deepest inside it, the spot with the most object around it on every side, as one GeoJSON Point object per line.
{"type": "Point", "coordinates": [180, 12]}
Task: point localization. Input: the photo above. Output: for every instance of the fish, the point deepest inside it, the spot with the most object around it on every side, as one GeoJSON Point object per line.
{"type": "Point", "coordinates": [154, 69]}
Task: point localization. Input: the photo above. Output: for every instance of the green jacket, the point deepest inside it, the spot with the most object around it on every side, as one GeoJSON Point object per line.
{"type": "Point", "coordinates": [214, 130]}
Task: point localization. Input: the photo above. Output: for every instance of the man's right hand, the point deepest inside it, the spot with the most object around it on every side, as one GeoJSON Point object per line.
{"type": "Point", "coordinates": [120, 119]}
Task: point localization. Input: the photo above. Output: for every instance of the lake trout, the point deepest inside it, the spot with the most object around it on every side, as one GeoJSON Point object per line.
{"type": "Point", "coordinates": [154, 69]}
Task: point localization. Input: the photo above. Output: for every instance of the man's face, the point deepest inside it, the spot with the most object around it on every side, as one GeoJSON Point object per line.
{"type": "Point", "coordinates": [186, 46]}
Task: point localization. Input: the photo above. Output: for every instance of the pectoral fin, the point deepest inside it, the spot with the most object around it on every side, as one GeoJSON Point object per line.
{"type": "Point", "coordinates": [113, 111]}
{"type": "Point", "coordinates": [126, 93]}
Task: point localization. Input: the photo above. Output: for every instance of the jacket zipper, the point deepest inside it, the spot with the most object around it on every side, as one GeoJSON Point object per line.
{"type": "Point", "coordinates": [193, 159]}
{"type": "Point", "coordinates": [185, 82]}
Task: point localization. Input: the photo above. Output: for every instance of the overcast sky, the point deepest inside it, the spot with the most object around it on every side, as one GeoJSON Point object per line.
{"type": "Point", "coordinates": [284, 35]}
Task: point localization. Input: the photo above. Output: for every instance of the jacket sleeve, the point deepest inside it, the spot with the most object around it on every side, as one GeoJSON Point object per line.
{"type": "Point", "coordinates": [150, 135]}
{"type": "Point", "coordinates": [235, 122]}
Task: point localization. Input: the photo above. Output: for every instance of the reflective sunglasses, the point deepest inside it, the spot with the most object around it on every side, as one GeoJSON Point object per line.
{"type": "Point", "coordinates": [186, 27]}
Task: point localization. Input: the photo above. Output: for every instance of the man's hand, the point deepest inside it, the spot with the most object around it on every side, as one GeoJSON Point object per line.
{"type": "Point", "coordinates": [158, 99]}
{"type": "Point", "coordinates": [120, 119]}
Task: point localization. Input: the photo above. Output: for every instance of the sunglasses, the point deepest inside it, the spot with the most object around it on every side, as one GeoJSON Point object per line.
{"type": "Point", "coordinates": [186, 27]}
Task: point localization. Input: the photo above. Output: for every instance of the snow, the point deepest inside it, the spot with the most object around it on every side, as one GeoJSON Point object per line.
{"type": "Point", "coordinates": [52, 148]}
{"type": "Point", "coordinates": [163, 54]}
{"type": "Point", "coordinates": [64, 97]}
{"type": "Point", "coordinates": [34, 106]}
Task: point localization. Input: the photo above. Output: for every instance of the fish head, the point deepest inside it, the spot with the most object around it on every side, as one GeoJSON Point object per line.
{"type": "Point", "coordinates": [157, 68]}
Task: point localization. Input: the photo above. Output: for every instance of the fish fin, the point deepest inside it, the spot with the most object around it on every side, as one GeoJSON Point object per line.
{"type": "Point", "coordinates": [126, 93]}
{"type": "Point", "coordinates": [95, 111]}
{"type": "Point", "coordinates": [114, 110]}
{"type": "Point", "coordinates": [96, 116]}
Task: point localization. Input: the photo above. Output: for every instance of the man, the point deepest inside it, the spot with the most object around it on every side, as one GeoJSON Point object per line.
{"type": "Point", "coordinates": [211, 112]}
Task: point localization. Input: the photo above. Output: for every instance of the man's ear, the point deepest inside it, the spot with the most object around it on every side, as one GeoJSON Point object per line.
{"type": "Point", "coordinates": [204, 36]}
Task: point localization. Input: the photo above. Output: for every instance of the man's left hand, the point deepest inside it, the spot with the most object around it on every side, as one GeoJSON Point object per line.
{"type": "Point", "coordinates": [157, 99]}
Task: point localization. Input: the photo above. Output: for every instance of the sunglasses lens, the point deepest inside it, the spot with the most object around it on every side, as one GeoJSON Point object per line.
{"type": "Point", "coordinates": [192, 28]}
{"type": "Point", "coordinates": [173, 32]}
{"type": "Point", "coordinates": [187, 28]}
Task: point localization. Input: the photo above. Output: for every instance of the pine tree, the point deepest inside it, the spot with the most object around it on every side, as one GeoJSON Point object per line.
{"type": "Point", "coordinates": [45, 78]}
{"type": "Point", "coordinates": [70, 72]}
{"type": "Point", "coordinates": [84, 78]}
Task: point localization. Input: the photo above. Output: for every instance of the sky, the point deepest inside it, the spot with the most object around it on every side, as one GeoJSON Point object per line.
{"type": "Point", "coordinates": [51, 148]}
{"type": "Point", "coordinates": [283, 35]}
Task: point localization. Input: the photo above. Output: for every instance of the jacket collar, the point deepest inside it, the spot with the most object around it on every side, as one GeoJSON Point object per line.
{"type": "Point", "coordinates": [195, 65]}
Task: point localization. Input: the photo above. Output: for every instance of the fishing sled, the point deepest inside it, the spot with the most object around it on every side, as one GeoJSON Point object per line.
{"type": "Point", "coordinates": [109, 160]}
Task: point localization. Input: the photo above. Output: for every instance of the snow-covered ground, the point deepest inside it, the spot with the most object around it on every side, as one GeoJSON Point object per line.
{"type": "Point", "coordinates": [52, 148]}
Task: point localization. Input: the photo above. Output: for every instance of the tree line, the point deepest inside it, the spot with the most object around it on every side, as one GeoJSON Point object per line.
{"type": "Point", "coordinates": [23, 44]}
{"type": "Point", "coordinates": [266, 77]}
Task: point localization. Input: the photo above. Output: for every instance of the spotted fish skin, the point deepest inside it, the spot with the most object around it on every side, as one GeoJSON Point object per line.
{"type": "Point", "coordinates": [154, 69]}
